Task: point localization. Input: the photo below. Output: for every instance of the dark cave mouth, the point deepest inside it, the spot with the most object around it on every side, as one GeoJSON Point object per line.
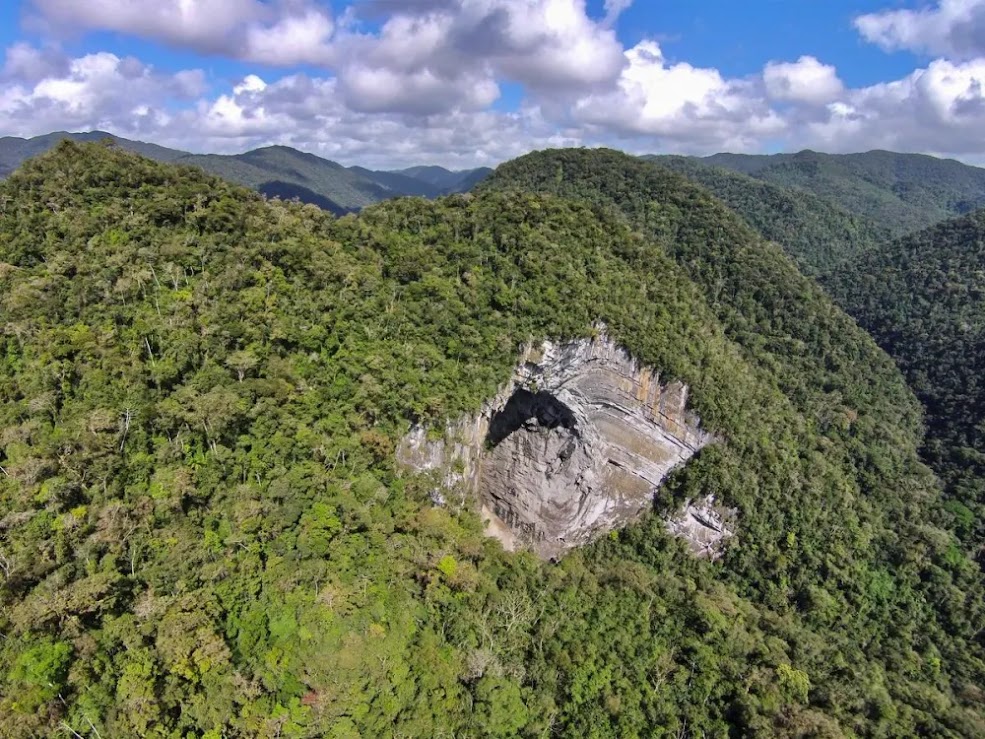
{"type": "Point", "coordinates": [529, 411]}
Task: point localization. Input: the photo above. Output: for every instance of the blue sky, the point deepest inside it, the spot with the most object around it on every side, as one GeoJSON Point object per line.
{"type": "Point", "coordinates": [465, 82]}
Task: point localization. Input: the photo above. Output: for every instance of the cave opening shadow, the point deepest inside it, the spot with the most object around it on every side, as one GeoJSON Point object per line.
{"type": "Point", "coordinates": [525, 410]}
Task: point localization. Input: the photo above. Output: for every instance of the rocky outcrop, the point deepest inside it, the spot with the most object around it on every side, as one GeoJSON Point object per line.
{"type": "Point", "coordinates": [574, 446]}
{"type": "Point", "coordinates": [704, 525]}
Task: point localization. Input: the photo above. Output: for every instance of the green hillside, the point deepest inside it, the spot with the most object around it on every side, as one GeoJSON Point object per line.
{"type": "Point", "coordinates": [15, 151]}
{"type": "Point", "coordinates": [445, 180]}
{"type": "Point", "coordinates": [923, 299]}
{"type": "Point", "coordinates": [275, 171]}
{"type": "Point", "coordinates": [282, 167]}
{"type": "Point", "coordinates": [902, 192]}
{"type": "Point", "coordinates": [203, 532]}
{"type": "Point", "coordinates": [815, 231]}
{"type": "Point", "coordinates": [397, 182]}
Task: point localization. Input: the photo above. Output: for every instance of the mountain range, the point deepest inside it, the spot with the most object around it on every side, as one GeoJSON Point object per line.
{"type": "Point", "coordinates": [902, 192]}
{"type": "Point", "coordinates": [275, 171]}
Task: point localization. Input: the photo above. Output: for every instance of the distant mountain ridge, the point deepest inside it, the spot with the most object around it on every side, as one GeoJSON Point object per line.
{"type": "Point", "coordinates": [447, 181]}
{"type": "Point", "coordinates": [901, 192]}
{"type": "Point", "coordinates": [816, 231]}
{"type": "Point", "coordinates": [275, 171]}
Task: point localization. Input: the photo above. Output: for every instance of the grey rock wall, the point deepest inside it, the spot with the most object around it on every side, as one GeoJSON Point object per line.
{"type": "Point", "coordinates": [575, 445]}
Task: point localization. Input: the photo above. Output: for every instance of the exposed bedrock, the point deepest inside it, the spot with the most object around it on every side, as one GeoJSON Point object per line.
{"type": "Point", "coordinates": [575, 445]}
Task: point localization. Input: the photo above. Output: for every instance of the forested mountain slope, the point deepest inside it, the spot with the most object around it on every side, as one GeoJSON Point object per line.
{"type": "Point", "coordinates": [902, 192]}
{"type": "Point", "coordinates": [275, 171]}
{"type": "Point", "coordinates": [203, 531]}
{"type": "Point", "coordinates": [397, 182]}
{"type": "Point", "coordinates": [280, 171]}
{"type": "Point", "coordinates": [446, 180]}
{"type": "Point", "coordinates": [14, 151]}
{"type": "Point", "coordinates": [923, 299]}
{"type": "Point", "coordinates": [815, 231]}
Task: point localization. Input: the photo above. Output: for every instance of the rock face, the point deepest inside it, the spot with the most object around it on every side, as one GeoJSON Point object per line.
{"type": "Point", "coordinates": [703, 525]}
{"type": "Point", "coordinates": [574, 446]}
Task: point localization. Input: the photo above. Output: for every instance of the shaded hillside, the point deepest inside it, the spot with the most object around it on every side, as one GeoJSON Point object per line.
{"type": "Point", "coordinates": [282, 167]}
{"type": "Point", "coordinates": [448, 181]}
{"type": "Point", "coordinates": [903, 192]}
{"type": "Point", "coordinates": [923, 299]}
{"type": "Point", "coordinates": [469, 180]}
{"type": "Point", "coordinates": [815, 231]}
{"type": "Point", "coordinates": [398, 182]}
{"type": "Point", "coordinates": [204, 532]}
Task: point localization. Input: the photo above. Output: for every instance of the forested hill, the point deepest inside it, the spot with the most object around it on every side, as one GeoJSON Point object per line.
{"type": "Point", "coordinates": [817, 232]}
{"type": "Point", "coordinates": [280, 171]}
{"type": "Point", "coordinates": [903, 192]}
{"type": "Point", "coordinates": [14, 151]}
{"type": "Point", "coordinates": [275, 171]}
{"type": "Point", "coordinates": [923, 299]}
{"type": "Point", "coordinates": [203, 532]}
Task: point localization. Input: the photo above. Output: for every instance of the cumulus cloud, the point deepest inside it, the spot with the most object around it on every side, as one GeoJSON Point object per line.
{"type": "Point", "coordinates": [279, 33]}
{"type": "Point", "coordinates": [403, 83]}
{"type": "Point", "coordinates": [426, 56]}
{"type": "Point", "coordinates": [679, 103]}
{"type": "Point", "coordinates": [938, 109]}
{"type": "Point", "coordinates": [86, 93]}
{"type": "Point", "coordinates": [27, 64]}
{"type": "Point", "coordinates": [308, 113]}
{"type": "Point", "coordinates": [805, 81]}
{"type": "Point", "coordinates": [451, 54]}
{"type": "Point", "coordinates": [954, 28]}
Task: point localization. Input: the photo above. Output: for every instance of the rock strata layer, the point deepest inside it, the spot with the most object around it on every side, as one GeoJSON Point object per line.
{"type": "Point", "coordinates": [574, 446]}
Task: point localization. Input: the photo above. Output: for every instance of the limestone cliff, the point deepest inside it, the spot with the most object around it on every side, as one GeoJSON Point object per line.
{"type": "Point", "coordinates": [574, 446]}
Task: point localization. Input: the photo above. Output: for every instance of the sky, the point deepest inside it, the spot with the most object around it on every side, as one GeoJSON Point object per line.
{"type": "Point", "coordinates": [463, 83]}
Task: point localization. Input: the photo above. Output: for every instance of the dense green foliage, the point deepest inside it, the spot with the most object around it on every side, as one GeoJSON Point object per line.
{"type": "Point", "coordinates": [923, 299]}
{"type": "Point", "coordinates": [817, 233]}
{"type": "Point", "coordinates": [901, 192]}
{"type": "Point", "coordinates": [202, 531]}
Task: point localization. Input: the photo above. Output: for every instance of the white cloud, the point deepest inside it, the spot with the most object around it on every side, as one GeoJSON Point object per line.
{"type": "Point", "coordinates": [295, 39]}
{"type": "Point", "coordinates": [421, 84]}
{"type": "Point", "coordinates": [938, 109]}
{"type": "Point", "coordinates": [427, 55]}
{"type": "Point", "coordinates": [550, 43]}
{"type": "Point", "coordinates": [443, 55]}
{"type": "Point", "coordinates": [679, 103]}
{"type": "Point", "coordinates": [308, 113]}
{"type": "Point", "coordinates": [803, 81]}
{"type": "Point", "coordinates": [615, 8]}
{"type": "Point", "coordinates": [27, 64]}
{"type": "Point", "coordinates": [954, 28]}
{"type": "Point", "coordinates": [420, 92]}
{"type": "Point", "coordinates": [285, 32]}
{"type": "Point", "coordinates": [88, 93]}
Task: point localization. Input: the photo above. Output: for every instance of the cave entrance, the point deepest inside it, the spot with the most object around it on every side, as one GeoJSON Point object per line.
{"type": "Point", "coordinates": [530, 412]}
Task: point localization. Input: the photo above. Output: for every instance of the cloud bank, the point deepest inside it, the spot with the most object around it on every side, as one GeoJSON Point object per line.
{"type": "Point", "coordinates": [389, 83]}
